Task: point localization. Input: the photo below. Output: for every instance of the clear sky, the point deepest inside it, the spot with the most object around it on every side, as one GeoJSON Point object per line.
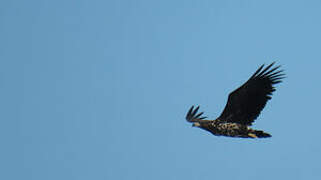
{"type": "Point", "coordinates": [99, 89]}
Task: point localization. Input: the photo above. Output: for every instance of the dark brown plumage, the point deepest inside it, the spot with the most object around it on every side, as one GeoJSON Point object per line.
{"type": "Point", "coordinates": [243, 106]}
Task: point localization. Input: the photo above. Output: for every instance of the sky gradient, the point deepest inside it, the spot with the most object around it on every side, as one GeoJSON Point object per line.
{"type": "Point", "coordinates": [99, 89]}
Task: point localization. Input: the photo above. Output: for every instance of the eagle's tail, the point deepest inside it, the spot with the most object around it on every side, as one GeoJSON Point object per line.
{"type": "Point", "coordinates": [258, 134]}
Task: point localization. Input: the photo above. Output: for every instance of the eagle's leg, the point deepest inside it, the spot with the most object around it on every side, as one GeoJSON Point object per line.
{"type": "Point", "coordinates": [257, 134]}
{"type": "Point", "coordinates": [252, 135]}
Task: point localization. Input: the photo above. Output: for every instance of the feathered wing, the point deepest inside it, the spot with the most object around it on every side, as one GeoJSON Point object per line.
{"type": "Point", "coordinates": [245, 103]}
{"type": "Point", "coordinates": [192, 115]}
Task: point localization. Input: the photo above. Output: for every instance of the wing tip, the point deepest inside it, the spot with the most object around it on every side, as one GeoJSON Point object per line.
{"type": "Point", "coordinates": [267, 72]}
{"type": "Point", "coordinates": [193, 116]}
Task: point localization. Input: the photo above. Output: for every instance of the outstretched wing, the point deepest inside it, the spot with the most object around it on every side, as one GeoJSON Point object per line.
{"type": "Point", "coordinates": [245, 103]}
{"type": "Point", "coordinates": [192, 115]}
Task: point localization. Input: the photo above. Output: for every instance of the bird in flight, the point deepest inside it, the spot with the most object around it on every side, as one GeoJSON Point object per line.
{"type": "Point", "coordinates": [243, 106]}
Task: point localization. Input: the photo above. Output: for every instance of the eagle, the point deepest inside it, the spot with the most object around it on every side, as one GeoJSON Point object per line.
{"type": "Point", "coordinates": [243, 106]}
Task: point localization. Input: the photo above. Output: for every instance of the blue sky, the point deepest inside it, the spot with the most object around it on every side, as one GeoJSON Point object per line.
{"type": "Point", "coordinates": [99, 89]}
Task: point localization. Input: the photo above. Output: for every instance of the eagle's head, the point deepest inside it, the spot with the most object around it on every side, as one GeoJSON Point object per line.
{"type": "Point", "coordinates": [196, 124]}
